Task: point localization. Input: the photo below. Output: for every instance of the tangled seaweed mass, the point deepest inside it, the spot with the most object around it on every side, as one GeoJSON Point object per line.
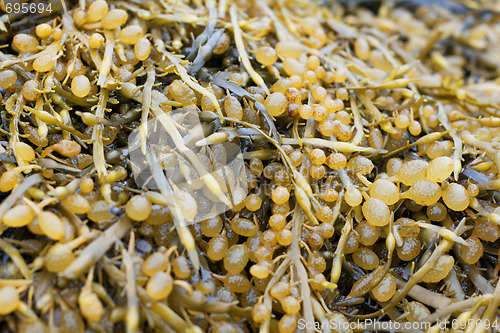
{"type": "Point", "coordinates": [369, 135]}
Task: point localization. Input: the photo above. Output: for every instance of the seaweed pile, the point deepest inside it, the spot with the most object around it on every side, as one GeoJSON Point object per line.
{"type": "Point", "coordinates": [370, 138]}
